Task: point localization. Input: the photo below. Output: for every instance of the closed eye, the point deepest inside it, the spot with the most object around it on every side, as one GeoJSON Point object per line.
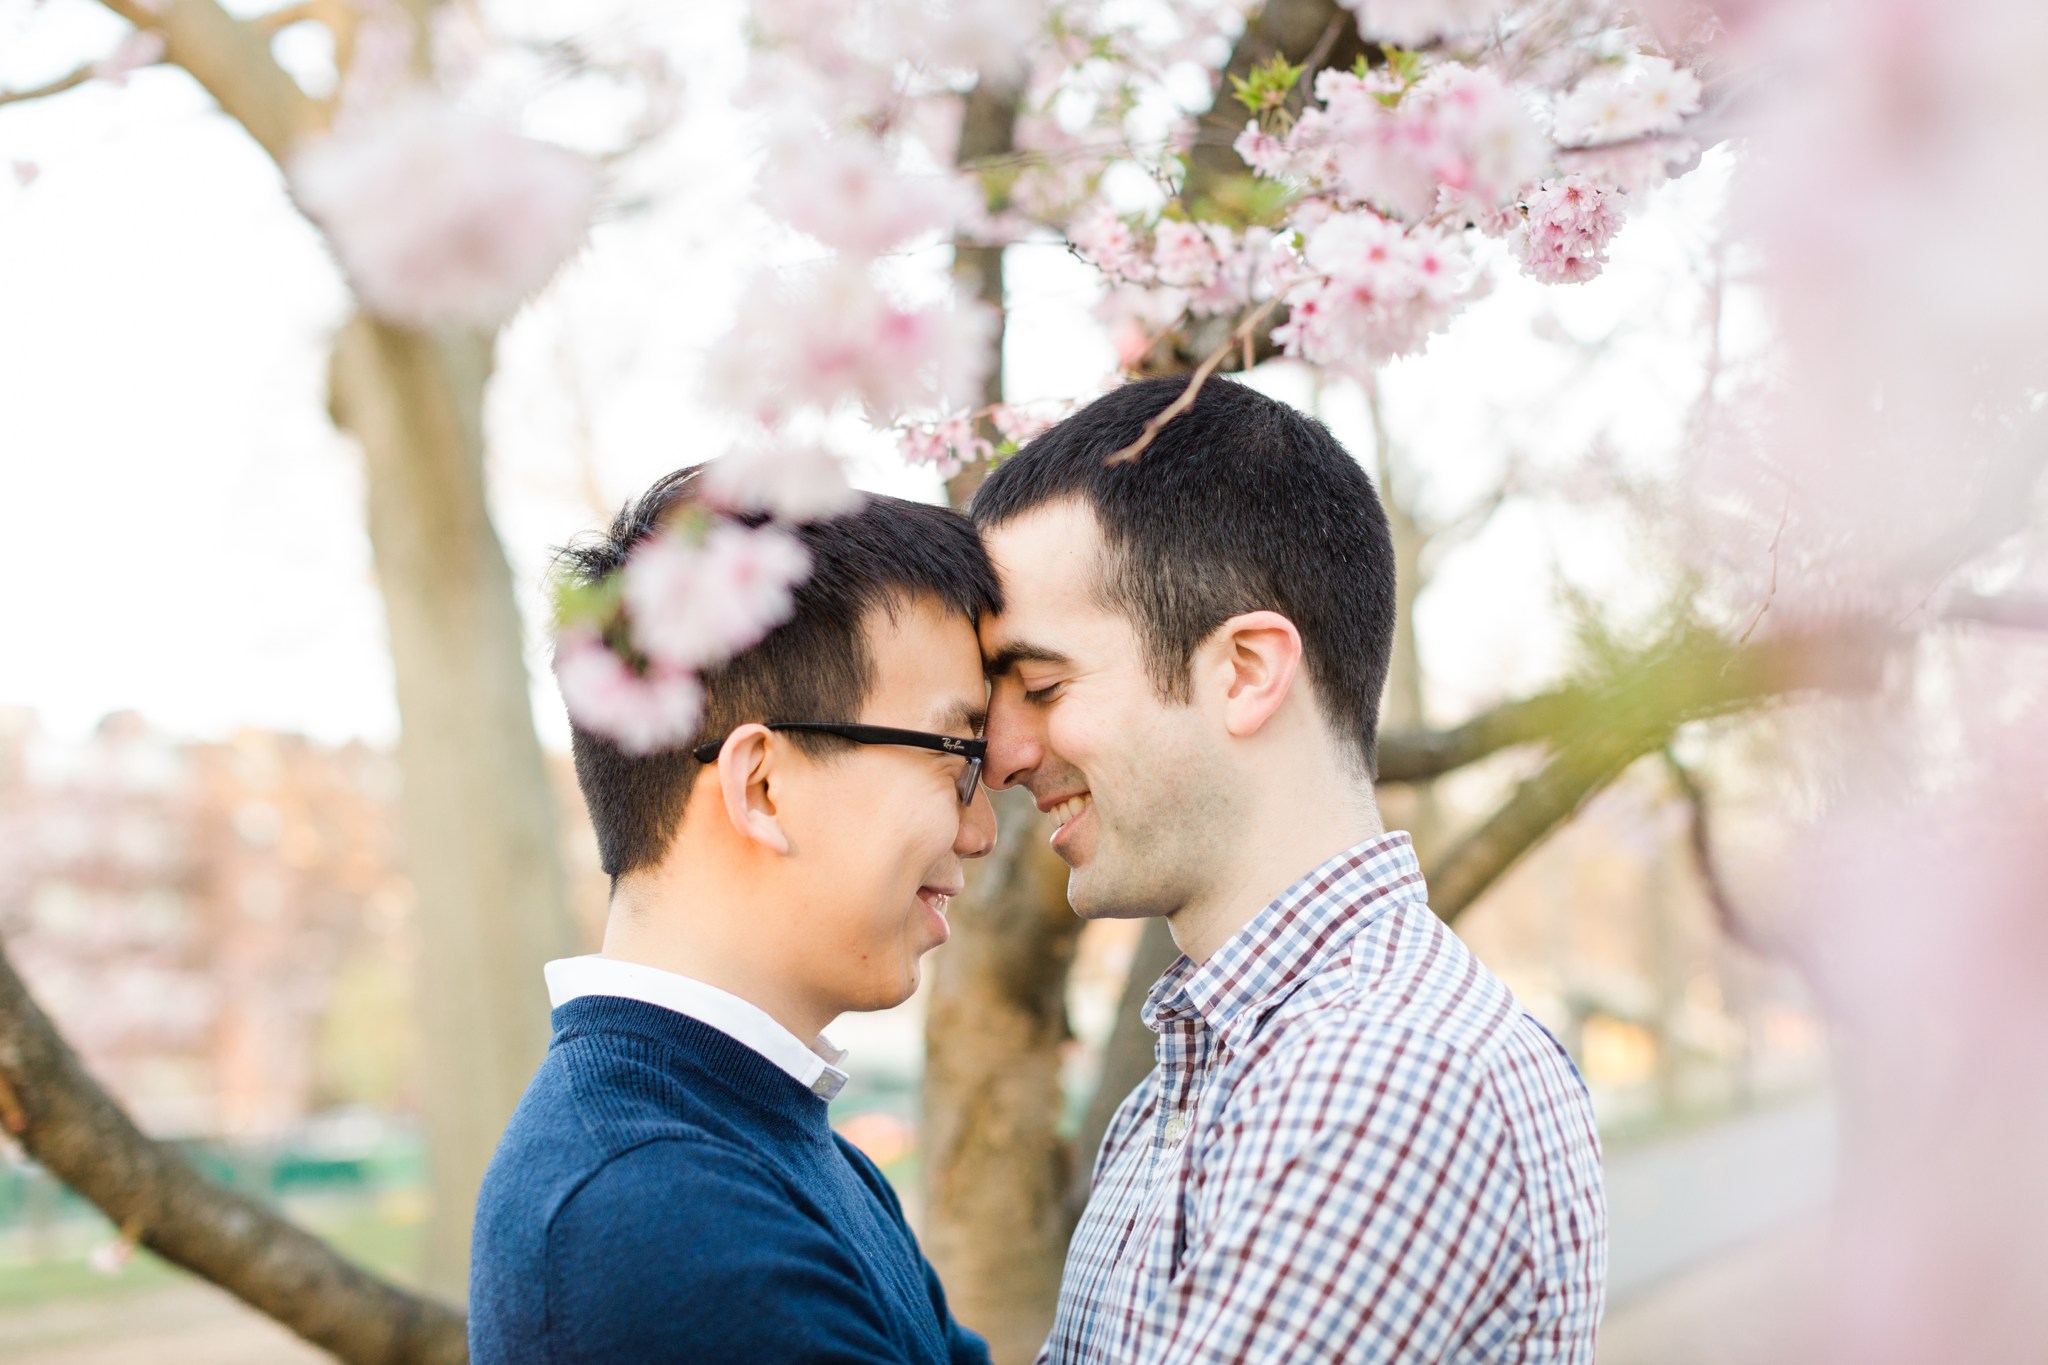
{"type": "Point", "coordinates": [1040, 696]}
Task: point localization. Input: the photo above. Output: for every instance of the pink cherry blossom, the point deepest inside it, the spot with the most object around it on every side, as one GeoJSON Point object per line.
{"type": "Point", "coordinates": [830, 333]}
{"type": "Point", "coordinates": [1135, 316]}
{"type": "Point", "coordinates": [1570, 221]}
{"type": "Point", "coordinates": [694, 606]}
{"type": "Point", "coordinates": [1377, 291]}
{"type": "Point", "coordinates": [1651, 95]}
{"type": "Point", "coordinates": [1188, 255]}
{"type": "Point", "coordinates": [1017, 425]}
{"type": "Point", "coordinates": [642, 714]}
{"type": "Point", "coordinates": [443, 217]}
{"type": "Point", "coordinates": [985, 36]}
{"type": "Point", "coordinates": [1412, 23]}
{"type": "Point", "coordinates": [1934, 896]}
{"type": "Point", "coordinates": [25, 172]}
{"type": "Point", "coordinates": [843, 190]}
{"type": "Point", "coordinates": [1459, 130]}
{"type": "Point", "coordinates": [1262, 151]}
{"type": "Point", "coordinates": [142, 47]}
{"type": "Point", "coordinates": [948, 446]}
{"type": "Point", "coordinates": [1106, 241]}
{"type": "Point", "coordinates": [790, 479]}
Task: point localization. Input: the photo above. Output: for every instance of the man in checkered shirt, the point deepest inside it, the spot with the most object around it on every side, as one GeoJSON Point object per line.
{"type": "Point", "coordinates": [1356, 1144]}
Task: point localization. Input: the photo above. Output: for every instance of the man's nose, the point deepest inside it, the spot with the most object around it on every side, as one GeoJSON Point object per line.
{"type": "Point", "coordinates": [1014, 748]}
{"type": "Point", "coordinates": [977, 837]}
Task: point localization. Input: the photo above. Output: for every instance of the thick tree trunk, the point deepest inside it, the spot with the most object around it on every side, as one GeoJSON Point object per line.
{"type": "Point", "coordinates": [478, 816]}
{"type": "Point", "coordinates": [159, 1200]}
{"type": "Point", "coordinates": [996, 1169]}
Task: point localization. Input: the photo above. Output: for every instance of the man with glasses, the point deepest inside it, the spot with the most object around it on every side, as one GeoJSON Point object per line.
{"type": "Point", "coordinates": [669, 1188]}
{"type": "Point", "coordinates": [1356, 1145]}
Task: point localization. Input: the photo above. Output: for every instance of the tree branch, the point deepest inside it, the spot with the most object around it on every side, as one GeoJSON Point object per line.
{"type": "Point", "coordinates": [231, 58]}
{"type": "Point", "coordinates": [64, 1120]}
{"type": "Point", "coordinates": [1608, 726]}
{"type": "Point", "coordinates": [56, 87]}
{"type": "Point", "coordinates": [277, 20]}
{"type": "Point", "coordinates": [1700, 838]}
{"type": "Point", "coordinates": [2011, 611]}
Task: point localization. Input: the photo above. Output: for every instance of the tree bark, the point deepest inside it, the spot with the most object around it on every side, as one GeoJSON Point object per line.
{"type": "Point", "coordinates": [988, 130]}
{"type": "Point", "coordinates": [996, 1168]}
{"type": "Point", "coordinates": [231, 59]}
{"type": "Point", "coordinates": [477, 812]}
{"type": "Point", "coordinates": [158, 1199]}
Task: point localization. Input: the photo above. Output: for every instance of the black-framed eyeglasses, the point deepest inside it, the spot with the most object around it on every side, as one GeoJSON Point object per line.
{"type": "Point", "coordinates": [973, 750]}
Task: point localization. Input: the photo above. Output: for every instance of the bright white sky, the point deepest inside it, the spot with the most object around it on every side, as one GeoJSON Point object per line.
{"type": "Point", "coordinates": [185, 529]}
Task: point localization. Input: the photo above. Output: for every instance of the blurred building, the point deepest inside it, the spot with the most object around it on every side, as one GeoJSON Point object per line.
{"type": "Point", "coordinates": [220, 929]}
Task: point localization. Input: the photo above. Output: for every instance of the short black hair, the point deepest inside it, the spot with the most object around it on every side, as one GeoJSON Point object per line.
{"type": "Point", "coordinates": [1239, 504]}
{"type": "Point", "coordinates": [817, 665]}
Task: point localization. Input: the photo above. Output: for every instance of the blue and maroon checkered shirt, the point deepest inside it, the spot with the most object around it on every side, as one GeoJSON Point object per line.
{"type": "Point", "coordinates": [1356, 1146]}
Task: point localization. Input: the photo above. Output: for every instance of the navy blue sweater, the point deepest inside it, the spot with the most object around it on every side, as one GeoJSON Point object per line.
{"type": "Point", "coordinates": [665, 1193]}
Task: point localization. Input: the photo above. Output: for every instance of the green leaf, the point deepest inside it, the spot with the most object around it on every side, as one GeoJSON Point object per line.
{"type": "Point", "coordinates": [1266, 90]}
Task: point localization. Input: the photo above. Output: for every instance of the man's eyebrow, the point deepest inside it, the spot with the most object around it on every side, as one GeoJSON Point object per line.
{"type": "Point", "coordinates": [1009, 656]}
{"type": "Point", "coordinates": [962, 715]}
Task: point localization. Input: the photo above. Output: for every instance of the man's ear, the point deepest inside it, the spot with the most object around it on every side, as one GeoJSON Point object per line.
{"type": "Point", "coordinates": [1258, 653]}
{"type": "Point", "coordinates": [745, 765]}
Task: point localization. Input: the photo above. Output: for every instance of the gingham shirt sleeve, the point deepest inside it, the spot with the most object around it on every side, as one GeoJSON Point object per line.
{"type": "Point", "coordinates": [1359, 1200]}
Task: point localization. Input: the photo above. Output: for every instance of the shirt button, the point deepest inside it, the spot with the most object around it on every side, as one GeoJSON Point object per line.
{"type": "Point", "coordinates": [1176, 1129]}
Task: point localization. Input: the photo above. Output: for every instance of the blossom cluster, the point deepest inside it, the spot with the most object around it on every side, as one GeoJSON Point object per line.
{"type": "Point", "coordinates": [948, 445]}
{"type": "Point", "coordinates": [812, 339]}
{"type": "Point", "coordinates": [441, 216]}
{"type": "Point", "coordinates": [1459, 135]}
{"type": "Point", "coordinates": [1569, 222]}
{"type": "Point", "coordinates": [1396, 166]}
{"type": "Point", "coordinates": [1371, 290]}
{"type": "Point", "coordinates": [687, 604]}
{"type": "Point", "coordinates": [440, 211]}
{"type": "Point", "coordinates": [1651, 96]}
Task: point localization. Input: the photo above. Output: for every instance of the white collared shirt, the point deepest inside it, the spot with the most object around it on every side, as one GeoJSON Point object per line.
{"type": "Point", "coordinates": [814, 1065]}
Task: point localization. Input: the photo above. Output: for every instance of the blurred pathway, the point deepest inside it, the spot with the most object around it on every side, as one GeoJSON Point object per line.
{"type": "Point", "coordinates": [1713, 1237]}
{"type": "Point", "coordinates": [1677, 1204]}
{"type": "Point", "coordinates": [183, 1324]}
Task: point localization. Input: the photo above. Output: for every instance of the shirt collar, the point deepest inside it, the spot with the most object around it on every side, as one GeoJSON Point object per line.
{"type": "Point", "coordinates": [1285, 941]}
{"type": "Point", "coordinates": [814, 1064]}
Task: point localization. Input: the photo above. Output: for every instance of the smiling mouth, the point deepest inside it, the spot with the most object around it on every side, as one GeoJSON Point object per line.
{"type": "Point", "coordinates": [934, 899]}
{"type": "Point", "coordinates": [1068, 811]}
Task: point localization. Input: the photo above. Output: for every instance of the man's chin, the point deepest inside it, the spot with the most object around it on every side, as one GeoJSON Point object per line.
{"type": "Point", "coordinates": [1091, 900]}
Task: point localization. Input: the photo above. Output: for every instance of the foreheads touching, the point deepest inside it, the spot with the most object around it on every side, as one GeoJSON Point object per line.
{"type": "Point", "coordinates": [1240, 504]}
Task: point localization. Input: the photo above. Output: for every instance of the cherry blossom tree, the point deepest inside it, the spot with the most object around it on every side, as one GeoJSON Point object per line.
{"type": "Point", "coordinates": [1331, 185]}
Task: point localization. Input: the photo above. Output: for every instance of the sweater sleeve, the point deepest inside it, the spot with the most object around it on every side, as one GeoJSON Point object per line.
{"type": "Point", "coordinates": [683, 1251]}
{"type": "Point", "coordinates": [963, 1346]}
